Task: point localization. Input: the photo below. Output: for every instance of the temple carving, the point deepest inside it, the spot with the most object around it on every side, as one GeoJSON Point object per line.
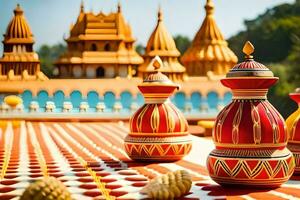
{"type": "Point", "coordinates": [97, 73]}
{"type": "Point", "coordinates": [99, 46]}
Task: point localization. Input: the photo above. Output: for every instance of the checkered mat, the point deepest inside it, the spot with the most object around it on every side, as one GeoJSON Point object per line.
{"type": "Point", "coordinates": [90, 160]}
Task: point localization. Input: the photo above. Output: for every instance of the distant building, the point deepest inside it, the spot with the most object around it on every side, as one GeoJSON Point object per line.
{"type": "Point", "coordinates": [99, 46]}
{"type": "Point", "coordinates": [162, 44]}
{"type": "Point", "coordinates": [209, 50]}
{"type": "Point", "coordinates": [19, 61]}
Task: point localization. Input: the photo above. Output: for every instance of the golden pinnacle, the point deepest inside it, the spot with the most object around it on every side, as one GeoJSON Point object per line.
{"type": "Point", "coordinates": [248, 49]}
{"type": "Point", "coordinates": [119, 7]}
{"type": "Point", "coordinates": [209, 7]}
{"type": "Point", "coordinates": [157, 63]}
{"type": "Point", "coordinates": [209, 2]}
{"type": "Point", "coordinates": [160, 14]}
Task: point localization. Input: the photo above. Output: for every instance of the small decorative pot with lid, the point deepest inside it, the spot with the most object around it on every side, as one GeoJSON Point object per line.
{"type": "Point", "coordinates": [158, 130]}
{"type": "Point", "coordinates": [250, 135]}
{"type": "Point", "coordinates": [293, 125]}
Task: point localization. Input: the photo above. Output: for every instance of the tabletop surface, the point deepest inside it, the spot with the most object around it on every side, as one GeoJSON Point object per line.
{"type": "Point", "coordinates": [89, 158]}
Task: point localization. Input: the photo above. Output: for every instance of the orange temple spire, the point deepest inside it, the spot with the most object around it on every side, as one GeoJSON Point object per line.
{"type": "Point", "coordinates": [209, 50]}
{"type": "Point", "coordinates": [19, 61]}
{"type": "Point", "coordinates": [119, 8]}
{"type": "Point", "coordinates": [161, 43]}
{"type": "Point", "coordinates": [82, 7]}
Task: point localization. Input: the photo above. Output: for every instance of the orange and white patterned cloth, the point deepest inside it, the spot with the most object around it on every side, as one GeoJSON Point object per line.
{"type": "Point", "coordinates": [89, 158]}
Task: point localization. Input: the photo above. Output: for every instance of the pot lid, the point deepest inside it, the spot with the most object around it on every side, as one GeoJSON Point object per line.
{"type": "Point", "coordinates": [157, 78]}
{"type": "Point", "coordinates": [249, 68]}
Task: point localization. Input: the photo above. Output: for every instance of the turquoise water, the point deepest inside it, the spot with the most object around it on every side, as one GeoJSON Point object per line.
{"type": "Point", "coordinates": [195, 104]}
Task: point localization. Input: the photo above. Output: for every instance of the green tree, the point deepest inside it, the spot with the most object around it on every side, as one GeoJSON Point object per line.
{"type": "Point", "coordinates": [271, 33]}
{"type": "Point", "coordinates": [294, 60]}
{"type": "Point", "coordinates": [279, 94]}
{"type": "Point", "coordinates": [48, 55]}
{"type": "Point", "coordinates": [140, 49]}
{"type": "Point", "coordinates": [182, 43]}
{"type": "Point", "coordinates": [275, 35]}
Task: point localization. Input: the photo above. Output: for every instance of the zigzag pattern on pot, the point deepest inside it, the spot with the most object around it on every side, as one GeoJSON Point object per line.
{"type": "Point", "coordinates": [251, 169]}
{"type": "Point", "coordinates": [158, 149]}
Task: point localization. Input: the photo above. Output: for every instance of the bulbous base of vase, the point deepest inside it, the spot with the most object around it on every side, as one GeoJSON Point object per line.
{"type": "Point", "coordinates": [263, 168]}
{"type": "Point", "coordinates": [157, 148]}
{"type": "Point", "coordinates": [295, 149]}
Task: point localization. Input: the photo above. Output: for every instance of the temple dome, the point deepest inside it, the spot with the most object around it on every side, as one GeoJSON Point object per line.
{"type": "Point", "coordinates": [18, 30]}
{"type": "Point", "coordinates": [19, 61]}
{"type": "Point", "coordinates": [209, 50]}
{"type": "Point", "coordinates": [161, 42]}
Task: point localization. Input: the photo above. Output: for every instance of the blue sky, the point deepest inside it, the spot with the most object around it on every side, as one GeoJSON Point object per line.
{"type": "Point", "coordinates": [50, 19]}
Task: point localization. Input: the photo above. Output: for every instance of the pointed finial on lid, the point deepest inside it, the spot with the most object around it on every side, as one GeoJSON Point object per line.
{"type": "Point", "coordinates": [156, 76]}
{"type": "Point", "coordinates": [159, 14]}
{"type": "Point", "coordinates": [249, 68]}
{"type": "Point", "coordinates": [248, 49]}
{"type": "Point", "coordinates": [119, 7]}
{"type": "Point", "coordinates": [157, 63]}
{"type": "Point", "coordinates": [81, 7]}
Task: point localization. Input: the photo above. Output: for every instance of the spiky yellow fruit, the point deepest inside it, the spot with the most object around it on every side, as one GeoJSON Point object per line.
{"type": "Point", "coordinates": [48, 188]}
{"type": "Point", "coordinates": [169, 186]}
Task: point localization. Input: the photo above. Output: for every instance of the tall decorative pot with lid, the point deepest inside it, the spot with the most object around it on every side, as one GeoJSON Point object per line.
{"type": "Point", "coordinates": [158, 130]}
{"type": "Point", "coordinates": [293, 124]}
{"type": "Point", "coordinates": [250, 135]}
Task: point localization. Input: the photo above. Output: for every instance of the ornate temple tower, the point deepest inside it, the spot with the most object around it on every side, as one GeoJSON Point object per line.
{"type": "Point", "coordinates": [209, 50]}
{"type": "Point", "coordinates": [162, 44]}
{"type": "Point", "coordinates": [99, 46]}
{"type": "Point", "coordinates": [19, 61]}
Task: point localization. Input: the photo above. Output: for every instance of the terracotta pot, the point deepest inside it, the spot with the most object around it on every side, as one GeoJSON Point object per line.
{"type": "Point", "coordinates": [293, 124]}
{"type": "Point", "coordinates": [249, 133]}
{"type": "Point", "coordinates": [158, 130]}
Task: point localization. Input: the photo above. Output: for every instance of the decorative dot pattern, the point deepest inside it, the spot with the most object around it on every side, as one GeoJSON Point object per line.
{"type": "Point", "coordinates": [89, 159]}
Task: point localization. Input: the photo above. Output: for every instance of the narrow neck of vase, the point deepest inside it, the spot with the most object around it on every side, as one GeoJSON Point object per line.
{"type": "Point", "coordinates": [249, 94]}
{"type": "Point", "coordinates": [152, 98]}
{"type": "Point", "coordinates": [157, 93]}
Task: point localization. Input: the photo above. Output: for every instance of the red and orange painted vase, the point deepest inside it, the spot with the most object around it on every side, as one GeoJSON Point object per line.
{"type": "Point", "coordinates": [250, 135]}
{"type": "Point", "coordinates": [293, 124]}
{"type": "Point", "coordinates": [158, 130]}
